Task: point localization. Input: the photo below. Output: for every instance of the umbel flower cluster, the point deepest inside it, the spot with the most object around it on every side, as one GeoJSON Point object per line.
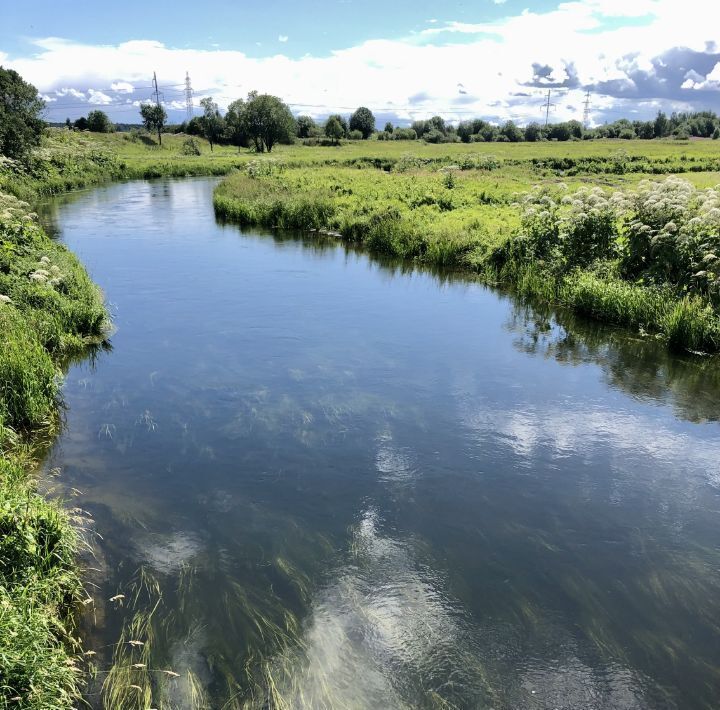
{"type": "Point", "coordinates": [658, 233]}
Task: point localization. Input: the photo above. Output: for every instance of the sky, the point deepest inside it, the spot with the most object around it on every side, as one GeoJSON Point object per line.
{"type": "Point", "coordinates": [495, 59]}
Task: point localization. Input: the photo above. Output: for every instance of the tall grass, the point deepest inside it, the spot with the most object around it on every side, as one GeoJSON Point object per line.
{"type": "Point", "coordinates": [48, 308]}
{"type": "Point", "coordinates": [573, 248]}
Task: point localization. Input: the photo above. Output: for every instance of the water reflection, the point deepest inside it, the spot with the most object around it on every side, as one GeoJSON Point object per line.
{"type": "Point", "coordinates": [323, 480]}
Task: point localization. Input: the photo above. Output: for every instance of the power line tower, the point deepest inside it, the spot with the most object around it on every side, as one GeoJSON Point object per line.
{"type": "Point", "coordinates": [586, 112]}
{"type": "Point", "coordinates": [157, 103]}
{"type": "Point", "coordinates": [547, 107]}
{"type": "Point", "coordinates": [188, 97]}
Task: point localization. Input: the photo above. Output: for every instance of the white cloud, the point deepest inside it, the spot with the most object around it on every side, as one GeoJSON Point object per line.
{"type": "Point", "coordinates": [98, 97]}
{"type": "Point", "coordinates": [47, 99]}
{"type": "Point", "coordinates": [283, 38]}
{"type": "Point", "coordinates": [697, 81]}
{"type": "Point", "coordinates": [70, 92]}
{"type": "Point", "coordinates": [493, 61]}
{"type": "Point", "coordinates": [123, 87]}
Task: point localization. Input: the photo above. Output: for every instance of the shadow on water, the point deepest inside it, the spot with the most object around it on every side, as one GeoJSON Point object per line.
{"type": "Point", "coordinates": [329, 481]}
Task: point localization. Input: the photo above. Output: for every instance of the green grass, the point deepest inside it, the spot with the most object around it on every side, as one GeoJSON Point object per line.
{"type": "Point", "coordinates": [48, 309]}
{"type": "Point", "coordinates": [473, 219]}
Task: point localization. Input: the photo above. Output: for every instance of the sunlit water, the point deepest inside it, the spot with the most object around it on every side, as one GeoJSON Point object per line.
{"type": "Point", "coordinates": [361, 486]}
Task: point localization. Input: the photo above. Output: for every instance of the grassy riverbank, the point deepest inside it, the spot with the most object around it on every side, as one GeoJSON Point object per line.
{"type": "Point", "coordinates": [49, 308]}
{"type": "Point", "coordinates": [634, 253]}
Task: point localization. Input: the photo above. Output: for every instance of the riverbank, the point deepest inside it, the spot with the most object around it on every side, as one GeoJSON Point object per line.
{"type": "Point", "coordinates": [637, 254]}
{"type": "Point", "coordinates": [49, 309]}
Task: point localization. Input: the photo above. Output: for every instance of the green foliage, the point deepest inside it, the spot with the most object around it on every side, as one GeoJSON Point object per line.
{"type": "Point", "coordinates": [362, 120]}
{"type": "Point", "coordinates": [48, 306]}
{"type": "Point", "coordinates": [213, 124]}
{"type": "Point", "coordinates": [190, 147]}
{"type": "Point", "coordinates": [20, 123]}
{"type": "Point", "coordinates": [154, 118]}
{"type": "Point", "coordinates": [355, 135]}
{"type": "Point", "coordinates": [306, 127]}
{"type": "Point", "coordinates": [333, 129]}
{"type": "Point", "coordinates": [266, 121]}
{"type": "Point", "coordinates": [98, 122]}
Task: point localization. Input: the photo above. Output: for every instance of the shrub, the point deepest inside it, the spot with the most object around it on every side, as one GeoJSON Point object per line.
{"type": "Point", "coordinates": [190, 147]}
{"type": "Point", "coordinates": [355, 135]}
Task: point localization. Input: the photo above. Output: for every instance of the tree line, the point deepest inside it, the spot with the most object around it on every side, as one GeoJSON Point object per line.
{"type": "Point", "coordinates": [261, 121]}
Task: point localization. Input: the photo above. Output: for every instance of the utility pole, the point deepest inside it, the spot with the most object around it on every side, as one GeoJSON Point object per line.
{"type": "Point", "coordinates": [547, 107]}
{"type": "Point", "coordinates": [188, 97]}
{"type": "Point", "coordinates": [157, 103]}
{"type": "Point", "coordinates": [586, 112]}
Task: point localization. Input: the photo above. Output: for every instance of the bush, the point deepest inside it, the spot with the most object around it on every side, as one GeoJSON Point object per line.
{"type": "Point", "coordinates": [190, 147]}
{"type": "Point", "coordinates": [355, 135]}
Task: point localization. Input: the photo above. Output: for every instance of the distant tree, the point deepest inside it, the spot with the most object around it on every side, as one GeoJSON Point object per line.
{"type": "Point", "coordinates": [20, 123]}
{"type": "Point", "coordinates": [235, 130]}
{"type": "Point", "coordinates": [364, 121]}
{"type": "Point", "coordinates": [154, 118]}
{"type": "Point", "coordinates": [68, 123]}
{"type": "Point", "coordinates": [194, 126]}
{"type": "Point", "coordinates": [267, 121]}
{"type": "Point", "coordinates": [404, 134]}
{"type": "Point", "coordinates": [306, 127]}
{"type": "Point", "coordinates": [420, 128]}
{"type": "Point", "coordinates": [81, 124]}
{"type": "Point", "coordinates": [434, 136]}
{"type": "Point", "coordinates": [716, 134]}
{"type": "Point", "coordinates": [98, 122]}
{"type": "Point", "coordinates": [343, 123]}
{"type": "Point", "coordinates": [355, 135]}
{"type": "Point", "coordinates": [389, 128]}
{"type": "Point", "coordinates": [437, 123]}
{"type": "Point", "coordinates": [661, 125]}
{"type": "Point", "coordinates": [212, 122]}
{"type": "Point", "coordinates": [465, 131]}
{"type": "Point", "coordinates": [334, 130]}
{"type": "Point", "coordinates": [512, 132]}
{"type": "Point", "coordinates": [533, 132]}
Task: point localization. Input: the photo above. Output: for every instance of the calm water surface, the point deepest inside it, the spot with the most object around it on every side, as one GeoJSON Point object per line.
{"type": "Point", "coordinates": [325, 481]}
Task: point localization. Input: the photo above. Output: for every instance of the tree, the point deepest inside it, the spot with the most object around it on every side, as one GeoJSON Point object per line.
{"type": "Point", "coordinates": [235, 131]}
{"type": "Point", "coordinates": [81, 124]}
{"type": "Point", "coordinates": [98, 122]}
{"type": "Point", "coordinates": [661, 125]}
{"type": "Point", "coordinates": [533, 132]}
{"type": "Point", "coordinates": [20, 123]}
{"type": "Point", "coordinates": [267, 121]}
{"type": "Point", "coordinates": [512, 132]}
{"type": "Point", "coordinates": [343, 123]}
{"type": "Point", "coordinates": [154, 118]}
{"type": "Point", "coordinates": [333, 129]}
{"type": "Point", "coordinates": [364, 121]}
{"type": "Point", "coordinates": [212, 122]}
{"type": "Point", "coordinates": [465, 131]}
{"type": "Point", "coordinates": [389, 128]}
{"type": "Point", "coordinates": [306, 127]}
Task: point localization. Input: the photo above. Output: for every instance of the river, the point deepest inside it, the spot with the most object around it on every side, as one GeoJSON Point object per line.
{"type": "Point", "coordinates": [324, 480]}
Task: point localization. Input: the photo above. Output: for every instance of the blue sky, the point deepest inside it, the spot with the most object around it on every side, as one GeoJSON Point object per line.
{"type": "Point", "coordinates": [405, 60]}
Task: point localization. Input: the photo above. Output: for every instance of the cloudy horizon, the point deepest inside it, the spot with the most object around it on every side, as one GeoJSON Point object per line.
{"type": "Point", "coordinates": [496, 60]}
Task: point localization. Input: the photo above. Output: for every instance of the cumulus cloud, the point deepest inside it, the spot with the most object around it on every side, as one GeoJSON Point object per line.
{"type": "Point", "coordinates": [634, 57]}
{"type": "Point", "coordinates": [99, 98]}
{"type": "Point", "coordinates": [124, 87]}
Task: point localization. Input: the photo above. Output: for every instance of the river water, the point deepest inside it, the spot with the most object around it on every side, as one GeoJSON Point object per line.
{"type": "Point", "coordinates": [321, 480]}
